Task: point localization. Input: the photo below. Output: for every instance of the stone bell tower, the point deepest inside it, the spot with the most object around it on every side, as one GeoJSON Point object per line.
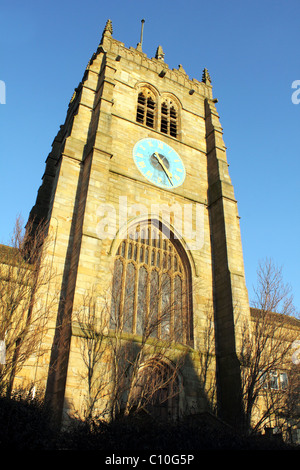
{"type": "Point", "coordinates": [142, 134]}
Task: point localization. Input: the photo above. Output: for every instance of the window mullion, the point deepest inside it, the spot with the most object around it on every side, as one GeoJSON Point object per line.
{"type": "Point", "coordinates": [136, 284]}
{"type": "Point", "coordinates": [122, 299]}
{"type": "Point", "coordinates": [185, 311]}
{"type": "Point", "coordinates": [172, 296]}
{"type": "Point", "coordinates": [159, 332]}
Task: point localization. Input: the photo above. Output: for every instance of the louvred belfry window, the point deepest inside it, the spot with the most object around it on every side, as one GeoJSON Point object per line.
{"type": "Point", "coordinates": [160, 114]}
{"type": "Point", "coordinates": [151, 287]}
{"type": "Point", "coordinates": [169, 123]}
{"type": "Point", "coordinates": [145, 109]}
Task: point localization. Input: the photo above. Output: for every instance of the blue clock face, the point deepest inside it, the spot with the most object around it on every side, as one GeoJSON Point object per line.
{"type": "Point", "coordinates": [159, 163]}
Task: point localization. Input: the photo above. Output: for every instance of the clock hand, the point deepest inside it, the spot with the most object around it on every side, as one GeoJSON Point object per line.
{"type": "Point", "coordinates": [163, 167]}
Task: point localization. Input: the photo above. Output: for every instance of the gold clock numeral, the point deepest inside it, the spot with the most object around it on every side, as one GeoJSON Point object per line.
{"type": "Point", "coordinates": [179, 169]}
{"type": "Point", "coordinates": [177, 177]}
{"type": "Point", "coordinates": [140, 155]}
{"type": "Point", "coordinates": [149, 173]}
{"type": "Point", "coordinates": [142, 164]}
{"type": "Point", "coordinates": [159, 179]}
{"type": "Point", "coordinates": [150, 143]}
{"type": "Point", "coordinates": [161, 146]}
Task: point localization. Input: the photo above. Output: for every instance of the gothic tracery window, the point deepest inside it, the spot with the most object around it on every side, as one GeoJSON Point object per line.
{"type": "Point", "coordinates": [150, 293]}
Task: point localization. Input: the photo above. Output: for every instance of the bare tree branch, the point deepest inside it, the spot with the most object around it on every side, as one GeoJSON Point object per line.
{"type": "Point", "coordinates": [266, 350]}
{"type": "Point", "coordinates": [25, 305]}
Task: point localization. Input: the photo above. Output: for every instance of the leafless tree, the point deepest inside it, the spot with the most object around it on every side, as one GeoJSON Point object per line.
{"type": "Point", "coordinates": [25, 302]}
{"type": "Point", "coordinates": [91, 318]}
{"type": "Point", "coordinates": [266, 350]}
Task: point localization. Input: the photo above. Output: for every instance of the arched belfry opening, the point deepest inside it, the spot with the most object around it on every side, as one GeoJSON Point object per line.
{"type": "Point", "coordinates": [152, 288]}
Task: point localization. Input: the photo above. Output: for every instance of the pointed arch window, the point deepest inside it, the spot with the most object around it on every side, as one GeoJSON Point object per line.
{"type": "Point", "coordinates": [145, 109]}
{"type": "Point", "coordinates": [151, 287]}
{"type": "Point", "coordinates": [169, 118]}
{"type": "Point", "coordinates": [162, 115]}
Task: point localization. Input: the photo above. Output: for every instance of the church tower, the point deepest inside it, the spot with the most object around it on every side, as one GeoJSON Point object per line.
{"type": "Point", "coordinates": [136, 192]}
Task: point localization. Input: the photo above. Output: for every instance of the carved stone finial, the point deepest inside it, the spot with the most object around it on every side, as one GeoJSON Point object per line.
{"type": "Point", "coordinates": [181, 69]}
{"type": "Point", "coordinates": [108, 30]}
{"type": "Point", "coordinates": [206, 77]}
{"type": "Point", "coordinates": [160, 54]}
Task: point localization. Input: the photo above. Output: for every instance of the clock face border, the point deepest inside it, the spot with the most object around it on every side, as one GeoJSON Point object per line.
{"type": "Point", "coordinates": [173, 174]}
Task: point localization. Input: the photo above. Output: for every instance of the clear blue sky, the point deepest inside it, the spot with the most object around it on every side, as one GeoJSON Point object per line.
{"type": "Point", "coordinates": [251, 49]}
